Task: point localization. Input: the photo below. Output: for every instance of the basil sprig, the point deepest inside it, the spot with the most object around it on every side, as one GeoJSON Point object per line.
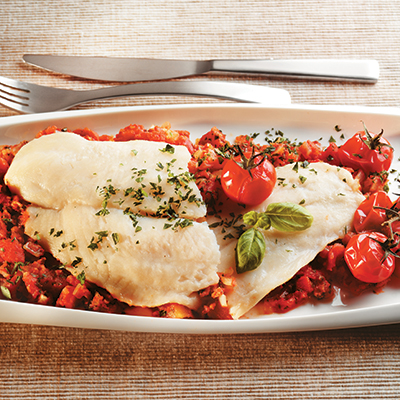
{"type": "Point", "coordinates": [250, 250]}
{"type": "Point", "coordinates": [284, 217]}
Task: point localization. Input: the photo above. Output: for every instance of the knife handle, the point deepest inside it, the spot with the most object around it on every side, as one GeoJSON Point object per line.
{"type": "Point", "coordinates": [332, 69]}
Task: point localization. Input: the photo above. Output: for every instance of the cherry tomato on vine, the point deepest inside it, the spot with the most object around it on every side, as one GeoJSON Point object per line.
{"type": "Point", "coordinates": [249, 184]}
{"type": "Point", "coordinates": [370, 218]}
{"type": "Point", "coordinates": [396, 222]}
{"type": "Point", "coordinates": [368, 259]}
{"type": "Point", "coordinates": [371, 154]}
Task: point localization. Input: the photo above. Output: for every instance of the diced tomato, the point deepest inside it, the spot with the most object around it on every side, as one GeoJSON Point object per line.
{"type": "Point", "coordinates": [87, 134]}
{"type": "Point", "coordinates": [3, 167]}
{"type": "Point", "coordinates": [105, 303]}
{"type": "Point", "coordinates": [307, 284]}
{"type": "Point", "coordinates": [335, 254]}
{"type": "Point", "coordinates": [155, 134]}
{"type": "Point", "coordinates": [139, 311]}
{"type": "Point", "coordinates": [208, 159]}
{"type": "Point", "coordinates": [209, 186]}
{"type": "Point", "coordinates": [310, 150]}
{"type": "Point", "coordinates": [67, 298]}
{"type": "Point", "coordinates": [48, 131]}
{"type": "Point", "coordinates": [214, 137]}
{"type": "Point", "coordinates": [174, 310]}
{"type": "Point", "coordinates": [11, 251]}
{"type": "Point", "coordinates": [81, 291]}
{"type": "Point", "coordinates": [31, 284]}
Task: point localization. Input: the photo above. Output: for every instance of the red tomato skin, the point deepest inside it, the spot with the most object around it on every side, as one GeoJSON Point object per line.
{"type": "Point", "coordinates": [357, 155]}
{"type": "Point", "coordinates": [363, 256]}
{"type": "Point", "coordinates": [331, 154]}
{"type": "Point", "coordinates": [396, 230]}
{"type": "Point", "coordinates": [368, 218]}
{"type": "Point", "coordinates": [396, 224]}
{"type": "Point", "coordinates": [232, 179]}
{"type": "Point", "coordinates": [244, 188]}
{"type": "Point", "coordinates": [259, 187]}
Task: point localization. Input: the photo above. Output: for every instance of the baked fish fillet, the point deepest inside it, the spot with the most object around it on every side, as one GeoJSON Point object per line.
{"type": "Point", "coordinates": [329, 193]}
{"type": "Point", "coordinates": [147, 267]}
{"type": "Point", "coordinates": [142, 176]}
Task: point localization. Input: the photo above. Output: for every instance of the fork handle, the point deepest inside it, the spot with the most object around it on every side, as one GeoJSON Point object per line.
{"type": "Point", "coordinates": [225, 90]}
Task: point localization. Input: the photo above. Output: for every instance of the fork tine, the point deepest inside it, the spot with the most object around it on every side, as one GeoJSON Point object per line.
{"type": "Point", "coordinates": [21, 107]}
{"type": "Point", "coordinates": [9, 95]}
{"type": "Point", "coordinates": [13, 84]}
{"type": "Point", "coordinates": [14, 94]}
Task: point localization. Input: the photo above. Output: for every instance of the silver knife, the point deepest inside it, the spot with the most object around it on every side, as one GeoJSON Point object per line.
{"type": "Point", "coordinates": [145, 69]}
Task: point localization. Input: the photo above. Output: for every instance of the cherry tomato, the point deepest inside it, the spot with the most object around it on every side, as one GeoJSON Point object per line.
{"type": "Point", "coordinates": [395, 232]}
{"type": "Point", "coordinates": [396, 209]}
{"type": "Point", "coordinates": [250, 187]}
{"type": "Point", "coordinates": [371, 154]}
{"type": "Point", "coordinates": [369, 218]}
{"type": "Point", "coordinates": [365, 256]}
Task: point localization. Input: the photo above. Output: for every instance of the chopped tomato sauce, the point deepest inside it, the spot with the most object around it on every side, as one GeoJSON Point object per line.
{"type": "Point", "coordinates": [155, 134]}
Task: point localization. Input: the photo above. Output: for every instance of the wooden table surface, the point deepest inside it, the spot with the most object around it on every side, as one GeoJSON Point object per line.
{"type": "Point", "coordinates": [42, 362]}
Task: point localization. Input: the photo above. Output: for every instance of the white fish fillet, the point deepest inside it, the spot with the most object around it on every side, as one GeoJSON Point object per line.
{"type": "Point", "coordinates": [329, 193]}
{"type": "Point", "coordinates": [63, 168]}
{"type": "Point", "coordinates": [149, 267]}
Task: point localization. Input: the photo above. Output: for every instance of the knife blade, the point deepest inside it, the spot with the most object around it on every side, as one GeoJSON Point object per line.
{"type": "Point", "coordinates": [145, 69]}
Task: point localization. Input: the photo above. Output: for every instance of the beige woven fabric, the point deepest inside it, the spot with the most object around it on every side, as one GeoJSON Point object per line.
{"type": "Point", "coordinates": [204, 30]}
{"type": "Point", "coordinates": [61, 363]}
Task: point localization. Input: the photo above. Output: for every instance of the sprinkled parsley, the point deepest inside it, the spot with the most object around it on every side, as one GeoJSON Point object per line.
{"type": "Point", "coordinates": [81, 277]}
{"type": "Point", "coordinates": [168, 149]}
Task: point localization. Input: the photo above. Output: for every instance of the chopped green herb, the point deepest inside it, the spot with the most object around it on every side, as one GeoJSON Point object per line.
{"type": "Point", "coordinates": [81, 277]}
{"type": "Point", "coordinates": [77, 261]}
{"type": "Point", "coordinates": [115, 237]}
{"type": "Point", "coordinates": [168, 149]}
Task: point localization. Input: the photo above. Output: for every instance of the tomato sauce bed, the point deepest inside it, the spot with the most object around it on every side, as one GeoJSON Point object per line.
{"type": "Point", "coordinates": [29, 274]}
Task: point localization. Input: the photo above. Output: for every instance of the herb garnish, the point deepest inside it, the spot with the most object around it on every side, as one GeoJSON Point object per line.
{"type": "Point", "coordinates": [284, 217]}
{"type": "Point", "coordinates": [81, 277]}
{"type": "Point", "coordinates": [168, 149]}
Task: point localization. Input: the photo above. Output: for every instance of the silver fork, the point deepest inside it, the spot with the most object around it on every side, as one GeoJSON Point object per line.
{"type": "Point", "coordinates": [32, 98]}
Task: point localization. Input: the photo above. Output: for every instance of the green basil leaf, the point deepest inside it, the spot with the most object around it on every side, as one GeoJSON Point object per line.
{"type": "Point", "coordinates": [250, 218]}
{"type": "Point", "coordinates": [250, 250]}
{"type": "Point", "coordinates": [257, 220]}
{"type": "Point", "coordinates": [263, 222]}
{"type": "Point", "coordinates": [289, 217]}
